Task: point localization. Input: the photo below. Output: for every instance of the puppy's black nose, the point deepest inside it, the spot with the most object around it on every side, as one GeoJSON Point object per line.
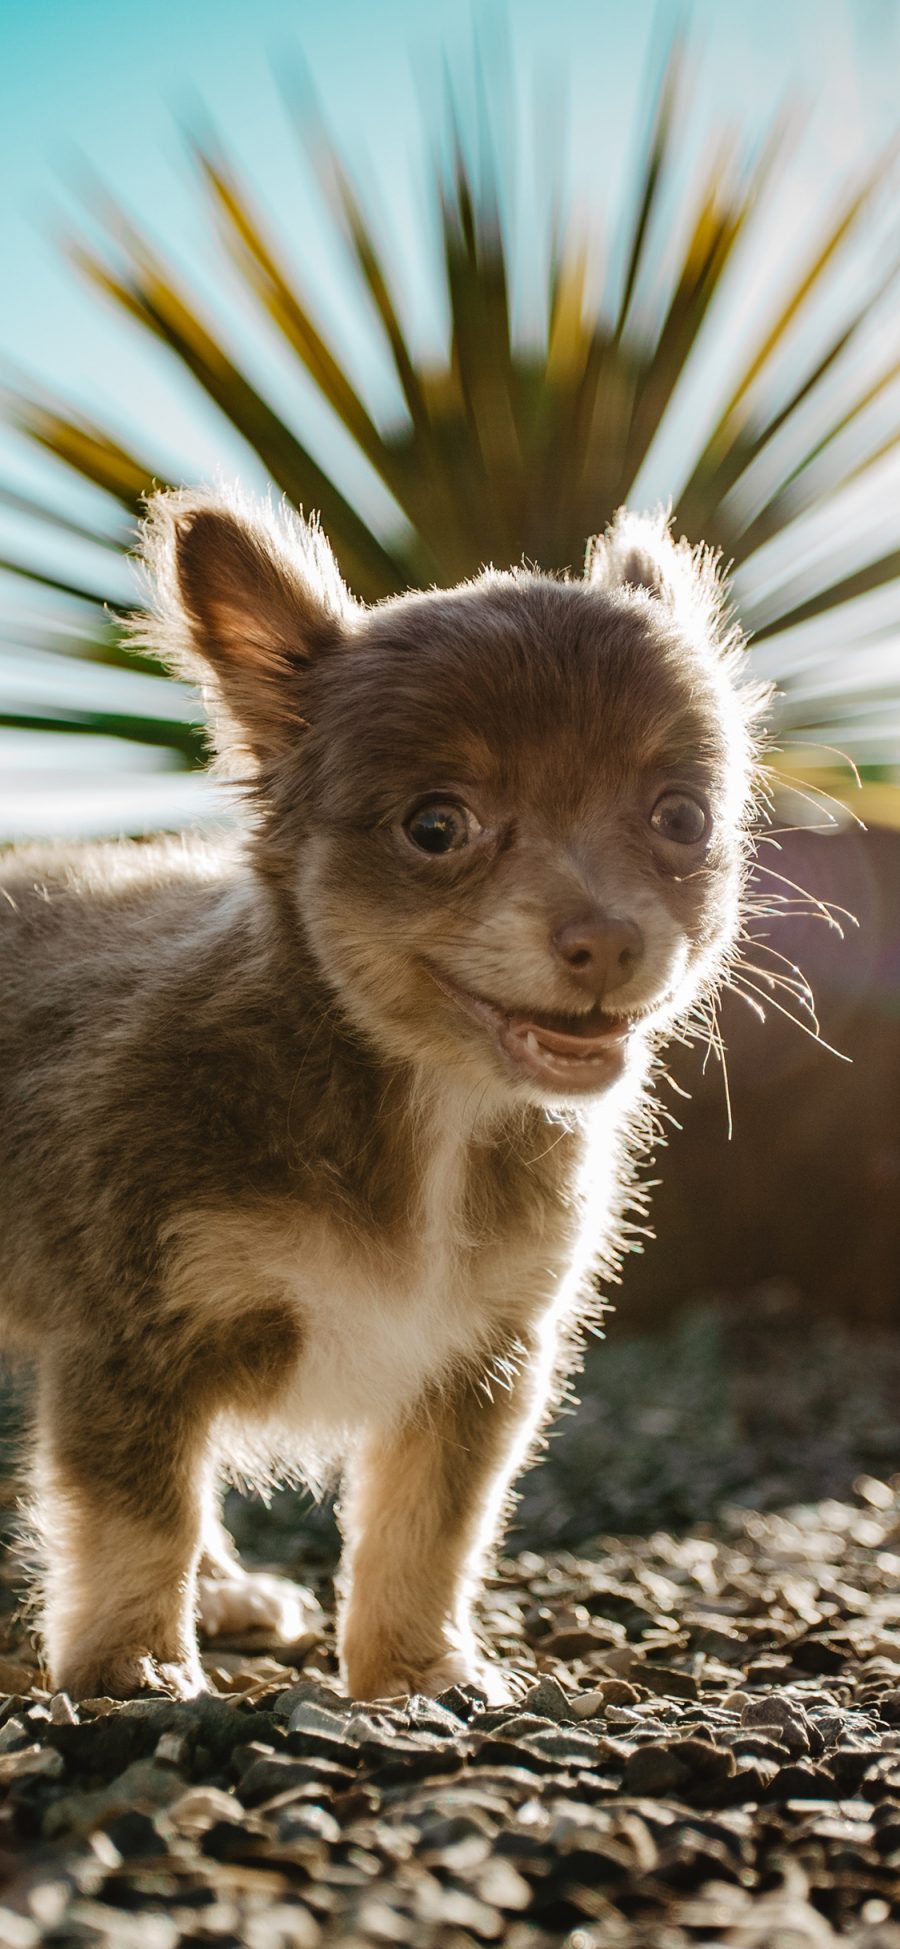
{"type": "Point", "coordinates": [599, 950]}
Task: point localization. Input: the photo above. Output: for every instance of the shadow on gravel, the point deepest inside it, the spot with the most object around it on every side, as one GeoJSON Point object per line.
{"type": "Point", "coordinates": [746, 1401]}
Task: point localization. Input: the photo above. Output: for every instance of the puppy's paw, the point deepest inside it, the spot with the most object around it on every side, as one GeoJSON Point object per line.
{"type": "Point", "coordinates": [500, 1686]}
{"type": "Point", "coordinates": [128, 1673]}
{"type": "Point", "coordinates": [242, 1600]}
{"type": "Point", "coordinates": [371, 1680]}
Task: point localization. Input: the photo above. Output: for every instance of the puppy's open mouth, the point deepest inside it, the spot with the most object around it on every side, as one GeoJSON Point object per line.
{"type": "Point", "coordinates": [564, 1052]}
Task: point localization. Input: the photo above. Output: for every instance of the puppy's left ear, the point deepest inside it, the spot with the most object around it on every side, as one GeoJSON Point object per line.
{"type": "Point", "coordinates": [245, 598]}
{"type": "Point", "coordinates": [637, 554]}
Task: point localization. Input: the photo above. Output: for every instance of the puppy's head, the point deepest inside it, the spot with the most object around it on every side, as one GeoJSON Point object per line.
{"type": "Point", "coordinates": [513, 815]}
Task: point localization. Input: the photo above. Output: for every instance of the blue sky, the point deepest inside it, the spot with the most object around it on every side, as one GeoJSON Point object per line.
{"type": "Point", "coordinates": [108, 85]}
{"type": "Point", "coordinates": [109, 88]}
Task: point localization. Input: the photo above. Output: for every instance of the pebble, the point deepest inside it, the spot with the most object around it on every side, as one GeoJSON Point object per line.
{"type": "Point", "coordinates": [14, 1734]}
{"type": "Point", "coordinates": [610, 1691]}
{"type": "Point", "coordinates": [62, 1711]}
{"type": "Point", "coordinates": [669, 1684]}
{"type": "Point", "coordinates": [142, 1785]}
{"type": "Point", "coordinates": [778, 1711]}
{"type": "Point", "coordinates": [197, 1808]}
{"type": "Point", "coordinates": [548, 1700]}
{"type": "Point", "coordinates": [655, 1770]}
{"type": "Point", "coordinates": [18, 1931]}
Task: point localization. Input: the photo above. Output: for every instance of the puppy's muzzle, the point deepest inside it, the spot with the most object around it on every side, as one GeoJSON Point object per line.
{"type": "Point", "coordinates": [599, 951]}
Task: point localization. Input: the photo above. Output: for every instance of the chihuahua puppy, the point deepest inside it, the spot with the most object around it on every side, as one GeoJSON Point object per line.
{"type": "Point", "coordinates": [311, 1144]}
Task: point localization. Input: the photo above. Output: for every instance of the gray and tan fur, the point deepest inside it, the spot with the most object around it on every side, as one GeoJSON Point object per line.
{"type": "Point", "coordinates": [293, 1162]}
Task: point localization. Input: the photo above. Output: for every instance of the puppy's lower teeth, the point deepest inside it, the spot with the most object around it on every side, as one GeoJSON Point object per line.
{"type": "Point", "coordinates": [556, 1057]}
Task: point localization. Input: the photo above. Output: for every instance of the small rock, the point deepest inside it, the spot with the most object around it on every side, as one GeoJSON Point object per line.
{"type": "Point", "coordinates": [537, 1622]}
{"type": "Point", "coordinates": [281, 1925]}
{"type": "Point", "coordinates": [33, 1763]}
{"type": "Point", "coordinates": [622, 1658]}
{"type": "Point", "coordinates": [304, 1820]}
{"type": "Point", "coordinates": [428, 1715]}
{"type": "Point", "coordinates": [312, 1692]}
{"type": "Point", "coordinates": [276, 1774]}
{"type": "Point", "coordinates": [763, 1742]}
{"type": "Point", "coordinates": [17, 1931]}
{"type": "Point", "coordinates": [609, 1691]}
{"type": "Point", "coordinates": [850, 1764]}
{"type": "Point", "coordinates": [774, 1709]}
{"type": "Point", "coordinates": [583, 1643]}
{"type": "Point", "coordinates": [14, 1735]}
{"type": "Point", "coordinates": [142, 1785]}
{"type": "Point", "coordinates": [171, 1750]}
{"type": "Point", "coordinates": [323, 1727]}
{"type": "Point", "coordinates": [655, 1770]}
{"type": "Point", "coordinates": [134, 1835]}
{"type": "Point", "coordinates": [255, 1749]}
{"type": "Point", "coordinates": [879, 1495]}
{"type": "Point", "coordinates": [548, 1700]}
{"type": "Point", "coordinates": [62, 1711]}
{"type": "Point", "coordinates": [515, 1725]}
{"type": "Point", "coordinates": [669, 1684]}
{"type": "Point", "coordinates": [818, 1656]}
{"type": "Point", "coordinates": [231, 1840]}
{"type": "Point", "coordinates": [500, 1885]}
{"type": "Point", "coordinates": [802, 1783]}
{"type": "Point", "coordinates": [717, 1643]}
{"type": "Point", "coordinates": [704, 1760]}
{"type": "Point", "coordinates": [462, 1701]}
{"type": "Point", "coordinates": [566, 1745]}
{"type": "Point", "coordinates": [830, 1725]}
{"type": "Point", "coordinates": [200, 1807]}
{"type": "Point", "coordinates": [440, 1832]}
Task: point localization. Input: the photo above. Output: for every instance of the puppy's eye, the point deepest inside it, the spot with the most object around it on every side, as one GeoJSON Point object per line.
{"type": "Point", "coordinates": [441, 827]}
{"type": "Point", "coordinates": [679, 817]}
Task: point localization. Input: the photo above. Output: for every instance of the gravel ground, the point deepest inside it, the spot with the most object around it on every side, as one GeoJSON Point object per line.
{"type": "Point", "coordinates": [703, 1596]}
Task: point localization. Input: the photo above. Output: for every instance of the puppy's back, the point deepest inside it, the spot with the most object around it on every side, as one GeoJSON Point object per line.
{"type": "Point", "coordinates": [87, 938]}
{"type": "Point", "coordinates": [80, 927]}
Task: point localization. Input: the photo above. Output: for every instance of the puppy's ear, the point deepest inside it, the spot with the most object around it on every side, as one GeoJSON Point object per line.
{"type": "Point", "coordinates": [637, 553]}
{"type": "Point", "coordinates": [244, 599]}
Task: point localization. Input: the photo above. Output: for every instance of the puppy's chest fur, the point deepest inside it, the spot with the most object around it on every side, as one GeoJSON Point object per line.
{"type": "Point", "coordinates": [368, 1324]}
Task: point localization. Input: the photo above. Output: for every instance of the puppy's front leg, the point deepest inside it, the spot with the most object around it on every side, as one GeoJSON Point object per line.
{"type": "Point", "coordinates": [421, 1507]}
{"type": "Point", "coordinates": [121, 1466]}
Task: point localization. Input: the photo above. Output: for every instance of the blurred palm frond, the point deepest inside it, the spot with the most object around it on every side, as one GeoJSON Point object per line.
{"type": "Point", "coordinates": [507, 450]}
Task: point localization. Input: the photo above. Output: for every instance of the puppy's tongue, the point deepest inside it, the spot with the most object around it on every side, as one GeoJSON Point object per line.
{"type": "Point", "coordinates": [569, 1035]}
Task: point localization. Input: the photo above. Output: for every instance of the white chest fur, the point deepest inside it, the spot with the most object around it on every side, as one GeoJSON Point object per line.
{"type": "Point", "coordinates": [377, 1324]}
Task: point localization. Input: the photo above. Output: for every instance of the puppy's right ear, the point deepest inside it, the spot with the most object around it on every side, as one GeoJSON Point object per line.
{"type": "Point", "coordinates": [244, 599]}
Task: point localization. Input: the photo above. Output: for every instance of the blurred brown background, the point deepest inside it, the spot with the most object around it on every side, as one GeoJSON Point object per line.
{"type": "Point", "coordinates": [808, 1188]}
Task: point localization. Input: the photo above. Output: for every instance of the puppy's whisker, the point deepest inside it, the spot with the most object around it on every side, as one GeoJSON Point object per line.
{"type": "Point", "coordinates": [827, 909]}
{"type": "Point", "coordinates": [720, 1050]}
{"type": "Point", "coordinates": [793, 779]}
{"type": "Point", "coordinates": [756, 1007]}
{"type": "Point", "coordinates": [795, 985]}
{"type": "Point", "coordinates": [743, 983]}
